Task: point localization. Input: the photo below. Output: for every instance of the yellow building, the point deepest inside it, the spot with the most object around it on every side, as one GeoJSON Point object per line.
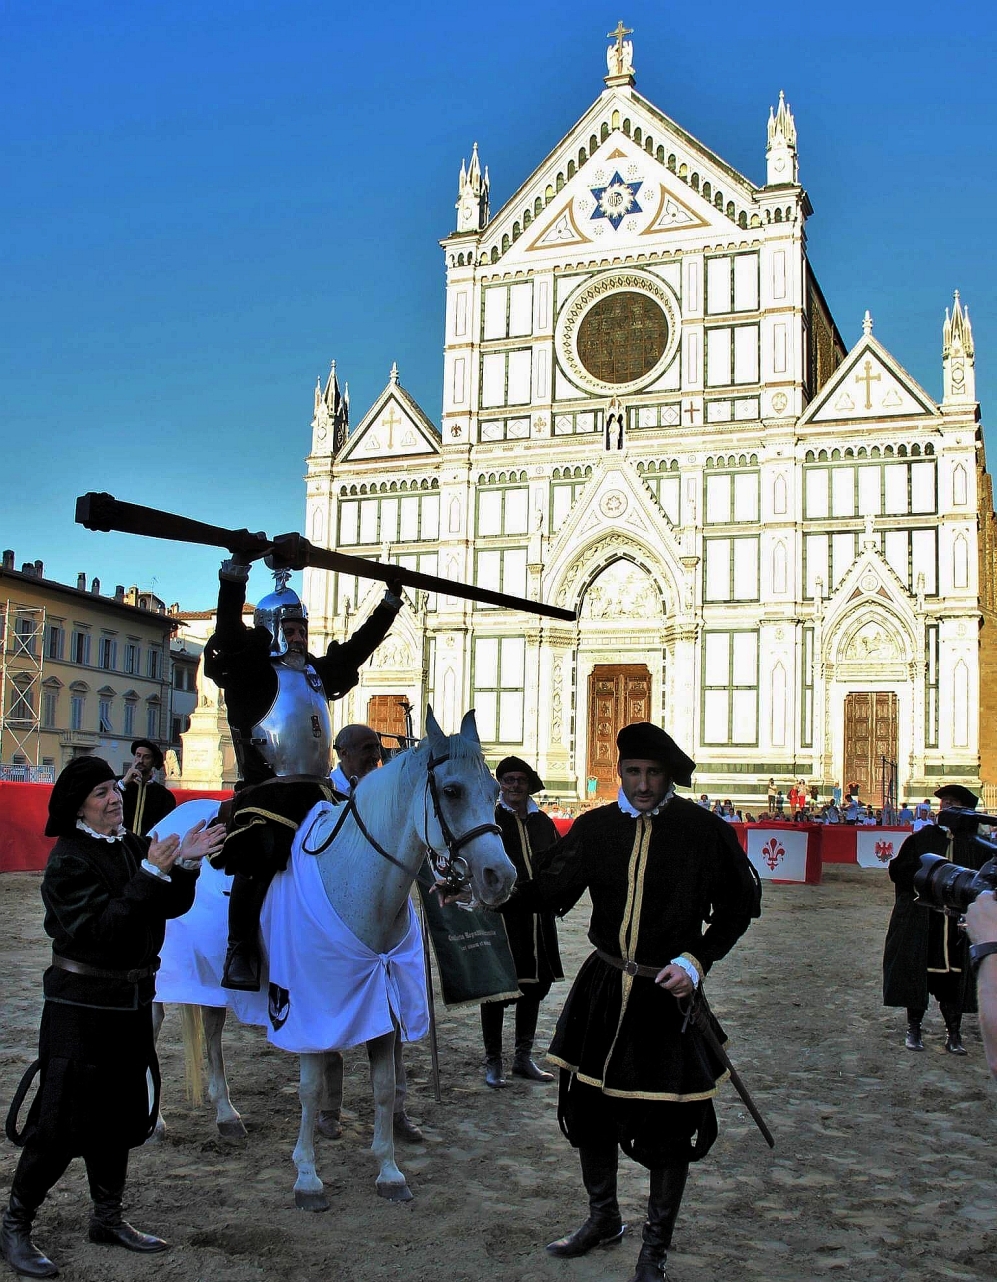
{"type": "Point", "coordinates": [80, 672]}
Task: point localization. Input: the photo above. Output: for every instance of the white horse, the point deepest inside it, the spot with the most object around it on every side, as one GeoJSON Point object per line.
{"type": "Point", "coordinates": [438, 796]}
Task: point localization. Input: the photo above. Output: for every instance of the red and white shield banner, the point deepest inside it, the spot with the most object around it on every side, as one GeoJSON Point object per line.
{"type": "Point", "coordinates": [779, 854]}
{"type": "Point", "coordinates": [875, 847]}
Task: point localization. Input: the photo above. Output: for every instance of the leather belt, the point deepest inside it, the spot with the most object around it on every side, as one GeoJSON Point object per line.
{"type": "Point", "coordinates": [98, 972]}
{"type": "Point", "coordinates": [629, 967]}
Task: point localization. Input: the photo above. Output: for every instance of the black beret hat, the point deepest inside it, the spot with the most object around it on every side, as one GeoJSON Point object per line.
{"type": "Point", "coordinates": [157, 752]}
{"type": "Point", "coordinates": [960, 795]}
{"type": "Point", "coordinates": [71, 789]}
{"type": "Point", "coordinates": [510, 764]}
{"type": "Point", "coordinates": [644, 741]}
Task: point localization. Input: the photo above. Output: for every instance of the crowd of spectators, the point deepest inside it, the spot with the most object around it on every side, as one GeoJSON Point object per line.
{"type": "Point", "coordinates": [803, 805]}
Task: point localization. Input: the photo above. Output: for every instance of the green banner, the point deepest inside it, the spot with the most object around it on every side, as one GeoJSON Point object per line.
{"type": "Point", "coordinates": [472, 952]}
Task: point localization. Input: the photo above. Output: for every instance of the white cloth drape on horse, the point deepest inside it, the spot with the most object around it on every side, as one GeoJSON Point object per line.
{"type": "Point", "coordinates": [334, 991]}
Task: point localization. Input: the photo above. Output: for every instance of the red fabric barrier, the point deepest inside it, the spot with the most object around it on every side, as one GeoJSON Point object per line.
{"type": "Point", "coordinates": [23, 812]}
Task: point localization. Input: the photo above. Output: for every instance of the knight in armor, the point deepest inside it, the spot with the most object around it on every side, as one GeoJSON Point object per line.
{"type": "Point", "coordinates": [277, 696]}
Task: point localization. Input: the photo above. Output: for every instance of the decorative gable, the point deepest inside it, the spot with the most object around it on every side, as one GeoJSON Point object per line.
{"type": "Point", "coordinates": [869, 384]}
{"type": "Point", "coordinates": [394, 427]}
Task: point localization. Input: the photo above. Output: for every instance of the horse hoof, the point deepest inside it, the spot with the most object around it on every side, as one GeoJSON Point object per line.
{"type": "Point", "coordinates": [395, 1192]}
{"type": "Point", "coordinates": [329, 1126]}
{"type": "Point", "coordinates": [310, 1201]}
{"type": "Point", "coordinates": [158, 1136]}
{"type": "Point", "coordinates": [235, 1130]}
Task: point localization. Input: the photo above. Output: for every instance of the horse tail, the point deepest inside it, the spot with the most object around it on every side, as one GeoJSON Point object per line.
{"type": "Point", "coordinates": [192, 1023]}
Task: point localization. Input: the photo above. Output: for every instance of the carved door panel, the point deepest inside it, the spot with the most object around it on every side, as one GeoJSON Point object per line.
{"type": "Point", "coordinates": [870, 735]}
{"type": "Point", "coordinates": [386, 714]}
{"type": "Point", "coordinates": [618, 695]}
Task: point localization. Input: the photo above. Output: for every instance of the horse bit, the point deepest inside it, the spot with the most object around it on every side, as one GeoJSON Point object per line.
{"type": "Point", "coordinates": [451, 869]}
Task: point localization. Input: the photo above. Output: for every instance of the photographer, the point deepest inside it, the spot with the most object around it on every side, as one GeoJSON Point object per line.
{"type": "Point", "coordinates": [981, 924]}
{"type": "Point", "coordinates": [926, 953]}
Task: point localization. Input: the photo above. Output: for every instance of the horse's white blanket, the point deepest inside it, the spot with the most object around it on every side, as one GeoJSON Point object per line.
{"type": "Point", "coordinates": [339, 992]}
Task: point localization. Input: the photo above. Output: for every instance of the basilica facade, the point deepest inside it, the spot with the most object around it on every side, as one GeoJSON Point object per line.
{"type": "Point", "coordinates": [779, 546]}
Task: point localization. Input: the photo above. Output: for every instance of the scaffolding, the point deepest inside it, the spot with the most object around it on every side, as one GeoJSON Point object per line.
{"type": "Point", "coordinates": [22, 659]}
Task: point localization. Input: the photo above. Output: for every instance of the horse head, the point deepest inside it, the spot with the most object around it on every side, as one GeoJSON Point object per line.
{"type": "Point", "coordinates": [464, 794]}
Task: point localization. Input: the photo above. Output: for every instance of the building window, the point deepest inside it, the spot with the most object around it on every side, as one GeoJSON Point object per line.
{"type": "Point", "coordinates": [55, 640]}
{"type": "Point", "coordinates": [77, 711]}
{"type": "Point", "coordinates": [50, 705]}
{"type": "Point", "coordinates": [22, 702]}
{"type": "Point", "coordinates": [131, 658]}
{"type": "Point", "coordinates": [730, 688]}
{"type": "Point", "coordinates": [107, 651]}
{"type": "Point", "coordinates": [931, 686]}
{"type": "Point", "coordinates": [503, 571]}
{"type": "Point", "coordinates": [104, 716]}
{"type": "Point", "coordinates": [152, 722]}
{"type": "Point", "coordinates": [79, 651]}
{"type": "Point", "coordinates": [26, 631]}
{"type": "Point", "coordinates": [732, 569]}
{"type": "Point", "coordinates": [807, 690]}
{"type": "Point", "coordinates": [498, 681]}
{"type": "Point", "coordinates": [402, 518]}
{"type": "Point", "coordinates": [129, 726]}
{"type": "Point", "coordinates": [152, 665]}
{"type": "Point", "coordinates": [732, 498]}
{"type": "Point", "coordinates": [503, 511]}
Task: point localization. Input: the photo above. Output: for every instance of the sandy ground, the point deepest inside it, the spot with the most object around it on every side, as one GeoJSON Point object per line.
{"type": "Point", "coordinates": [884, 1165]}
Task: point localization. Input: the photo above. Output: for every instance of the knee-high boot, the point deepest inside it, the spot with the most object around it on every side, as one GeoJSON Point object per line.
{"type": "Point", "coordinates": [664, 1200]}
{"type": "Point", "coordinates": [106, 1174]}
{"type": "Point", "coordinates": [37, 1170]}
{"type": "Point", "coordinates": [242, 960]}
{"type": "Point", "coordinates": [604, 1226]}
{"type": "Point", "coordinates": [527, 1014]}
{"type": "Point", "coordinates": [952, 1014]}
{"type": "Point", "coordinates": [913, 1040]}
{"type": "Point", "coordinates": [492, 1016]}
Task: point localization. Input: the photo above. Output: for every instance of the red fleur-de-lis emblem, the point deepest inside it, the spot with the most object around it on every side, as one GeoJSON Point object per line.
{"type": "Point", "coordinates": [773, 852]}
{"type": "Point", "coordinates": [884, 851]}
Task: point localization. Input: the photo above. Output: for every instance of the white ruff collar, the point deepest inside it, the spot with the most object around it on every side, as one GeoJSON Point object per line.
{"type": "Point", "coordinates": [122, 831]}
{"type": "Point", "coordinates": [634, 813]}
{"type": "Point", "coordinates": [531, 806]}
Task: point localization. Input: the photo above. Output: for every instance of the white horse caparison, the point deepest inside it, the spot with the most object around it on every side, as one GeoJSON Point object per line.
{"type": "Point", "coordinates": [441, 796]}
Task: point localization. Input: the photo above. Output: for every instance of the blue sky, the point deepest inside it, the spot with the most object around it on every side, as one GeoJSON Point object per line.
{"type": "Point", "coordinates": [204, 203]}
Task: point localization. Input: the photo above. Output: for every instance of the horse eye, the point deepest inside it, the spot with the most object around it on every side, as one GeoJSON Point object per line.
{"type": "Point", "coordinates": [451, 791]}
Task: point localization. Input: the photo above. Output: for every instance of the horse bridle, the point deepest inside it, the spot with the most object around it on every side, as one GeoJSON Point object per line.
{"type": "Point", "coordinates": [451, 869]}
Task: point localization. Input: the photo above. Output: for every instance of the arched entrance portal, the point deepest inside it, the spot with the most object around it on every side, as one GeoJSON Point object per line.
{"type": "Point", "coordinates": [870, 743]}
{"type": "Point", "coordinates": [618, 694]}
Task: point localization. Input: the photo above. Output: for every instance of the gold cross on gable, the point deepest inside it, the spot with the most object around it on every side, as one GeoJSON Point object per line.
{"type": "Point", "coordinates": [391, 420]}
{"type": "Point", "coordinates": [619, 33]}
{"type": "Point", "coordinates": [868, 378]}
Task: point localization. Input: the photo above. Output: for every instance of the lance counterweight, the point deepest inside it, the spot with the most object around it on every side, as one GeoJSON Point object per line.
{"type": "Point", "coordinates": [291, 551]}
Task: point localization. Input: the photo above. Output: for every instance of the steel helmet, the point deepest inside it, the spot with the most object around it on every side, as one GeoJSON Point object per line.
{"type": "Point", "coordinates": [271, 612]}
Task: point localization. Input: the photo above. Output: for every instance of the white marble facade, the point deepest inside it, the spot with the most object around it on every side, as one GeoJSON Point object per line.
{"type": "Point", "coordinates": [649, 416]}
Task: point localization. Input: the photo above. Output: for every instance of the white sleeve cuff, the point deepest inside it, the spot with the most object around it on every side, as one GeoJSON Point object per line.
{"type": "Point", "coordinates": [153, 871]}
{"type": "Point", "coordinates": [689, 969]}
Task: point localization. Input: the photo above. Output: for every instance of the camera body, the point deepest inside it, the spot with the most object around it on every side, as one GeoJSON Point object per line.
{"type": "Point", "coordinates": [950, 888]}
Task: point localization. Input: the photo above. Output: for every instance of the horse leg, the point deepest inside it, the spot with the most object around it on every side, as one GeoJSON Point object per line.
{"type": "Point", "coordinates": [227, 1119]}
{"type": "Point", "coordinates": [390, 1181]}
{"type": "Point", "coordinates": [330, 1118]}
{"type": "Point", "coordinates": [158, 1015]}
{"type": "Point", "coordinates": [309, 1192]}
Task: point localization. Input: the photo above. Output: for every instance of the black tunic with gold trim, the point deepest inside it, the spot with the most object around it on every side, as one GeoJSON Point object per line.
{"type": "Point", "coordinates": [630, 1069]}
{"type": "Point", "coordinates": [145, 804]}
{"type": "Point", "coordinates": [532, 935]}
{"type": "Point", "coordinates": [926, 951]}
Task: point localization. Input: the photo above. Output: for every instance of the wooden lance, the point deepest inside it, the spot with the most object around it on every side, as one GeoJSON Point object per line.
{"type": "Point", "coordinates": [285, 551]}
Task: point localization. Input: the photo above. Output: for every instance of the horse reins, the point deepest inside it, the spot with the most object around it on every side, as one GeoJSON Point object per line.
{"type": "Point", "coordinates": [452, 869]}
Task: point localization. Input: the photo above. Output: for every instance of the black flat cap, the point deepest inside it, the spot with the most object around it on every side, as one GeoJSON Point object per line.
{"type": "Point", "coordinates": [647, 742]}
{"type": "Point", "coordinates": [959, 795]}
{"type": "Point", "coordinates": [157, 752]}
{"type": "Point", "coordinates": [71, 789]}
{"type": "Point", "coordinates": [510, 765]}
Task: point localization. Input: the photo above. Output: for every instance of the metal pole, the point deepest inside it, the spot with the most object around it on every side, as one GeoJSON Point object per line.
{"type": "Point", "coordinates": [434, 1049]}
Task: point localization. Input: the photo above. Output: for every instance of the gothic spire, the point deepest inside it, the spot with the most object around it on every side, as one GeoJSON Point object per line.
{"type": "Point", "coordinates": [780, 154]}
{"type": "Point", "coordinates": [958, 355]}
{"type": "Point", "coordinates": [472, 195]}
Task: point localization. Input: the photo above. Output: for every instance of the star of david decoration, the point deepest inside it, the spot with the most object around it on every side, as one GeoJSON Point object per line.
{"type": "Point", "coordinates": [616, 200]}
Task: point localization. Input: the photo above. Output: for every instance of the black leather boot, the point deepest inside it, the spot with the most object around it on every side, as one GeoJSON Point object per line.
{"type": "Point", "coordinates": [604, 1226]}
{"type": "Point", "coordinates": [492, 1015]}
{"type": "Point", "coordinates": [664, 1200]}
{"type": "Point", "coordinates": [242, 960]}
{"type": "Point", "coordinates": [953, 1028]}
{"type": "Point", "coordinates": [527, 1012]}
{"type": "Point", "coordinates": [106, 1173]}
{"type": "Point", "coordinates": [37, 1170]}
{"type": "Point", "coordinates": [913, 1040]}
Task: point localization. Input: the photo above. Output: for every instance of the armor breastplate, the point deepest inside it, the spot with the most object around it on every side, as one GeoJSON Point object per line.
{"type": "Point", "coordinates": [295, 736]}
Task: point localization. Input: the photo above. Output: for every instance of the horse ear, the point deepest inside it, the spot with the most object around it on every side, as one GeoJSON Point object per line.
{"type": "Point", "coordinates": [436, 737]}
{"type": "Point", "coordinates": [469, 728]}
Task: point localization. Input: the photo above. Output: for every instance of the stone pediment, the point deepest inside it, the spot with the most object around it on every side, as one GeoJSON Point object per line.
{"type": "Point", "coordinates": [644, 183]}
{"type": "Point", "coordinates": [394, 427]}
{"type": "Point", "coordinates": [870, 586]}
{"type": "Point", "coordinates": [869, 384]}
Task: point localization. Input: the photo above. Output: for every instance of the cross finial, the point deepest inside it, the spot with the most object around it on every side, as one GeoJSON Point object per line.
{"type": "Point", "coordinates": [618, 35]}
{"type": "Point", "coordinates": [867, 323]}
{"type": "Point", "coordinates": [394, 371]}
{"type": "Point", "coordinates": [619, 57]}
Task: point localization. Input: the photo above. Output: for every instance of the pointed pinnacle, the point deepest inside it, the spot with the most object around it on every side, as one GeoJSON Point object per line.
{"type": "Point", "coordinates": [867, 323]}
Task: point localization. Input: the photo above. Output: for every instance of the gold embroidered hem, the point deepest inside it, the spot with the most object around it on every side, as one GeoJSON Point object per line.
{"type": "Point", "coordinates": [664, 1097]}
